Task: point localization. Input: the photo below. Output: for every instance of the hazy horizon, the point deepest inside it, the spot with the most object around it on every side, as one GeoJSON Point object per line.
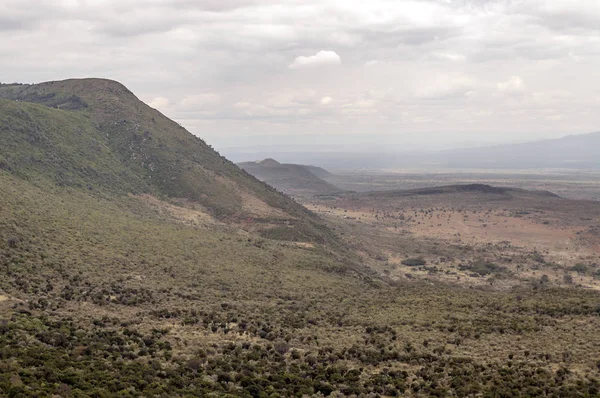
{"type": "Point", "coordinates": [354, 144]}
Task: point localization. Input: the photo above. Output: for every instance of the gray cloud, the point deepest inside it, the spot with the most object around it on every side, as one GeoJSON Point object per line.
{"type": "Point", "coordinates": [10, 24]}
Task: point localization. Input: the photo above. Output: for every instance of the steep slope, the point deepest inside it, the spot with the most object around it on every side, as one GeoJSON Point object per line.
{"type": "Point", "coordinates": [318, 171]}
{"type": "Point", "coordinates": [290, 178]}
{"type": "Point", "coordinates": [96, 133]}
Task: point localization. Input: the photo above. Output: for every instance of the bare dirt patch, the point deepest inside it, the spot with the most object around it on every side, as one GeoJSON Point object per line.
{"type": "Point", "coordinates": [253, 205]}
{"type": "Point", "coordinates": [188, 213]}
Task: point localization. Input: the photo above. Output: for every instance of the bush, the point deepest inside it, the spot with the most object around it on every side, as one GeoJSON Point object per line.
{"type": "Point", "coordinates": [414, 262]}
{"type": "Point", "coordinates": [484, 268]}
{"type": "Point", "coordinates": [580, 268]}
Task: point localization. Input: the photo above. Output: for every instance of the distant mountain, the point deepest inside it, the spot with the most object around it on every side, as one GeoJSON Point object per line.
{"type": "Point", "coordinates": [575, 151]}
{"type": "Point", "coordinates": [319, 172]}
{"type": "Point", "coordinates": [294, 179]}
{"type": "Point", "coordinates": [97, 135]}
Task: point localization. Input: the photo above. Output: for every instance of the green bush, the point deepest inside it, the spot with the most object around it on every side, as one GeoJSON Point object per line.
{"type": "Point", "coordinates": [414, 262]}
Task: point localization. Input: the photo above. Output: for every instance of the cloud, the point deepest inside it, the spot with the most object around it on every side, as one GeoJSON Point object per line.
{"type": "Point", "coordinates": [561, 15]}
{"type": "Point", "coordinates": [270, 65]}
{"type": "Point", "coordinates": [9, 24]}
{"type": "Point", "coordinates": [198, 101]}
{"type": "Point", "coordinates": [449, 56]}
{"type": "Point", "coordinates": [445, 87]}
{"type": "Point", "coordinates": [514, 85]}
{"type": "Point", "coordinates": [373, 62]}
{"type": "Point", "coordinates": [159, 103]}
{"type": "Point", "coordinates": [322, 58]}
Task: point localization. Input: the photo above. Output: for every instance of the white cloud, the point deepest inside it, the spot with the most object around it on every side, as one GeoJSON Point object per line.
{"type": "Point", "coordinates": [322, 58]}
{"type": "Point", "coordinates": [449, 56]}
{"type": "Point", "coordinates": [445, 87]}
{"type": "Point", "coordinates": [267, 66]}
{"type": "Point", "coordinates": [373, 62]}
{"type": "Point", "coordinates": [198, 101]}
{"type": "Point", "coordinates": [514, 85]}
{"type": "Point", "coordinates": [159, 103]}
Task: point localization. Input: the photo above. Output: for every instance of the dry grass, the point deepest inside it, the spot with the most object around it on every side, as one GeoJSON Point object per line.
{"type": "Point", "coordinates": [527, 235]}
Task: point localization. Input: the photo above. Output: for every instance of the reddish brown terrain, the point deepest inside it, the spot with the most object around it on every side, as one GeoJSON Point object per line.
{"type": "Point", "coordinates": [475, 235]}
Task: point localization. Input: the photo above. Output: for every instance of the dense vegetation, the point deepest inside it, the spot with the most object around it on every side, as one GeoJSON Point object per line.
{"type": "Point", "coordinates": [124, 299]}
{"type": "Point", "coordinates": [104, 293]}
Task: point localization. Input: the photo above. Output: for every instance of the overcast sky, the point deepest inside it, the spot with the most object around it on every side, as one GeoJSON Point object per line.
{"type": "Point", "coordinates": [377, 72]}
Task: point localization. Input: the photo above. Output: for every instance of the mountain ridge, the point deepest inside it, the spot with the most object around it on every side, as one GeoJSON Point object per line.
{"type": "Point", "coordinates": [578, 151]}
{"type": "Point", "coordinates": [462, 188]}
{"type": "Point", "coordinates": [571, 151]}
{"type": "Point", "coordinates": [294, 179]}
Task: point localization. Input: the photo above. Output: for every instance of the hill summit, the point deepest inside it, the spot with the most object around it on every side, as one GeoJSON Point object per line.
{"type": "Point", "coordinates": [268, 162]}
{"type": "Point", "coordinates": [294, 179]}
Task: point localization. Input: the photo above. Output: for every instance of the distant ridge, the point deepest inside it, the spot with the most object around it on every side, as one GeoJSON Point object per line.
{"type": "Point", "coordinates": [467, 188]}
{"type": "Point", "coordinates": [294, 179]}
{"type": "Point", "coordinates": [578, 152]}
{"type": "Point", "coordinates": [319, 171]}
{"type": "Point", "coordinates": [268, 162]}
{"type": "Point", "coordinates": [573, 151]}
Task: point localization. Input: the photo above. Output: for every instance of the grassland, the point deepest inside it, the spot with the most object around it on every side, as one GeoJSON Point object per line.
{"type": "Point", "coordinates": [113, 285]}
{"type": "Point", "coordinates": [112, 296]}
{"type": "Point", "coordinates": [497, 236]}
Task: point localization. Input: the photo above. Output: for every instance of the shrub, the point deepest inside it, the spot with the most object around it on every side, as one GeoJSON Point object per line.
{"type": "Point", "coordinates": [414, 262]}
{"type": "Point", "coordinates": [484, 268]}
{"type": "Point", "coordinates": [580, 268]}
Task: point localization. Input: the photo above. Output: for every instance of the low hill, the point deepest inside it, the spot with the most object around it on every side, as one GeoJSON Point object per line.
{"type": "Point", "coordinates": [319, 172]}
{"type": "Point", "coordinates": [294, 179]}
{"type": "Point", "coordinates": [95, 133]}
{"type": "Point", "coordinates": [458, 189]}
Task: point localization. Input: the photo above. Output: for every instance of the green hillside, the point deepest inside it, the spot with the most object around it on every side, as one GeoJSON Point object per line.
{"type": "Point", "coordinates": [104, 297]}
{"type": "Point", "coordinates": [95, 133]}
